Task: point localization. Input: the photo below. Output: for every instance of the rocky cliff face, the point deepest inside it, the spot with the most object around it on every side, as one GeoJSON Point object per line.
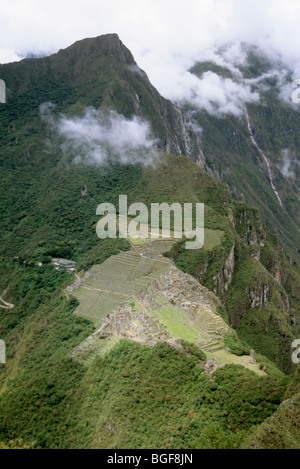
{"type": "Point", "coordinates": [257, 153]}
{"type": "Point", "coordinates": [255, 282]}
{"type": "Point", "coordinates": [251, 230]}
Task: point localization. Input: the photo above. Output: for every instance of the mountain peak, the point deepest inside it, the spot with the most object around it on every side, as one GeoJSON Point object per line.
{"type": "Point", "coordinates": [108, 45]}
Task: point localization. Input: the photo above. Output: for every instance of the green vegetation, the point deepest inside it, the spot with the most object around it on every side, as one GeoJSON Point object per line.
{"type": "Point", "coordinates": [232, 341]}
{"type": "Point", "coordinates": [128, 394]}
{"type": "Point", "coordinates": [232, 157]}
{"type": "Point", "coordinates": [256, 305]}
{"type": "Point", "coordinates": [39, 379]}
{"type": "Point", "coordinates": [159, 397]}
{"type": "Point", "coordinates": [281, 430]}
{"type": "Point", "coordinates": [193, 350]}
{"type": "Point", "coordinates": [203, 67]}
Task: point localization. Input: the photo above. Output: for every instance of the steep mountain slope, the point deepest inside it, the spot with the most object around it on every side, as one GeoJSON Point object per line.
{"type": "Point", "coordinates": [159, 392]}
{"type": "Point", "coordinates": [281, 430]}
{"type": "Point", "coordinates": [257, 153]}
{"type": "Point", "coordinates": [102, 73]}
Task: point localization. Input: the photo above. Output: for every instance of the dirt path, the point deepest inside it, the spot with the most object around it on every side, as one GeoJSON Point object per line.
{"type": "Point", "coordinates": [106, 291]}
{"type": "Point", "coordinates": [6, 305]}
{"type": "Point", "coordinates": [156, 257]}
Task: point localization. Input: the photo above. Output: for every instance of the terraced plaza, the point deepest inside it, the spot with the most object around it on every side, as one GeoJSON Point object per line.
{"type": "Point", "coordinates": [140, 295]}
{"type": "Point", "coordinates": [107, 285]}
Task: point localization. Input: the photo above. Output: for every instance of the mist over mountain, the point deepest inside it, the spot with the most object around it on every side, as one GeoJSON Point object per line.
{"type": "Point", "coordinates": [76, 70]}
{"type": "Point", "coordinates": [98, 138]}
{"type": "Point", "coordinates": [143, 343]}
{"type": "Point", "coordinates": [248, 137]}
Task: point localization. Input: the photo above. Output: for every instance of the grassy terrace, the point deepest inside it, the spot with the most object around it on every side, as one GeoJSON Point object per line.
{"type": "Point", "coordinates": [88, 350]}
{"type": "Point", "coordinates": [121, 279]}
{"type": "Point", "coordinates": [114, 281]}
{"type": "Point", "coordinates": [96, 305]}
{"type": "Point", "coordinates": [201, 329]}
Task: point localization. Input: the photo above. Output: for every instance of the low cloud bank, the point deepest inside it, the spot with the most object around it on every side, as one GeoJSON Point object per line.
{"type": "Point", "coordinates": [97, 137]}
{"type": "Point", "coordinates": [166, 38]}
{"type": "Point", "coordinates": [223, 88]}
{"type": "Point", "coordinates": [219, 95]}
{"type": "Point", "coordinates": [289, 166]}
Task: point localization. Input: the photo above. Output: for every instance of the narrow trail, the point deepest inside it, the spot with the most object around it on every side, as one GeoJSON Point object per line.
{"type": "Point", "coordinates": [156, 257]}
{"type": "Point", "coordinates": [114, 292]}
{"type": "Point", "coordinates": [263, 156]}
{"type": "Point", "coordinates": [6, 305]}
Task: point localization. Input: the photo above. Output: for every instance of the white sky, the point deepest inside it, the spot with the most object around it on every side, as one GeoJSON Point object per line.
{"type": "Point", "coordinates": [165, 36]}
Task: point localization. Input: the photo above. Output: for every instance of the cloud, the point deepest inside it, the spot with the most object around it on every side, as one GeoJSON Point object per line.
{"type": "Point", "coordinates": [98, 137]}
{"type": "Point", "coordinates": [166, 38]}
{"type": "Point", "coordinates": [289, 166]}
{"type": "Point", "coordinates": [218, 95]}
{"type": "Point", "coordinates": [8, 56]}
{"type": "Point", "coordinates": [215, 31]}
